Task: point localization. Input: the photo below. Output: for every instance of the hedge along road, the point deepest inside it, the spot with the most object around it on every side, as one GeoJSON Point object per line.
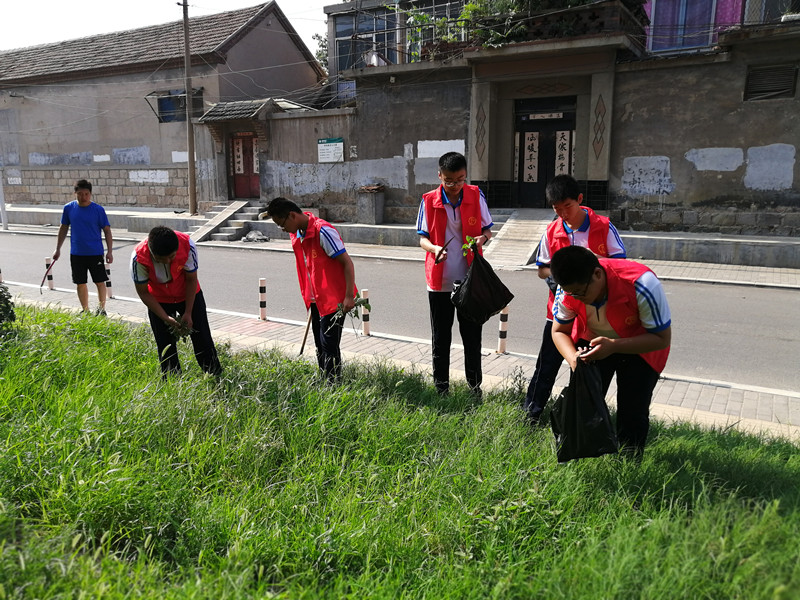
{"type": "Point", "coordinates": [745, 335]}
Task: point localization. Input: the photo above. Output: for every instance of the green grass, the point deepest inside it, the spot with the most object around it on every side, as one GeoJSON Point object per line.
{"type": "Point", "coordinates": [269, 483]}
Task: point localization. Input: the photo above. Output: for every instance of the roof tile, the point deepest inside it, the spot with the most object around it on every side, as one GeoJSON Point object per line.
{"type": "Point", "coordinates": [156, 43]}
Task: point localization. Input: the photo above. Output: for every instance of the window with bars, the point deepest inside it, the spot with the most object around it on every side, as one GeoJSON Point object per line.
{"type": "Point", "coordinates": [769, 11]}
{"type": "Point", "coordinates": [362, 34]}
{"type": "Point", "coordinates": [431, 21]}
{"type": "Point", "coordinates": [393, 36]}
{"type": "Point", "coordinates": [770, 82]}
{"type": "Point", "coordinates": [170, 105]}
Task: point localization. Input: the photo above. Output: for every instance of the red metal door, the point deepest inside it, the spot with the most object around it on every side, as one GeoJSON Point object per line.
{"type": "Point", "coordinates": [244, 162]}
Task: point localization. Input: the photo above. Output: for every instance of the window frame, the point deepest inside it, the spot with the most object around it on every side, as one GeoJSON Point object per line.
{"type": "Point", "coordinates": [161, 101]}
{"type": "Point", "coordinates": [683, 40]}
{"type": "Point", "coordinates": [363, 38]}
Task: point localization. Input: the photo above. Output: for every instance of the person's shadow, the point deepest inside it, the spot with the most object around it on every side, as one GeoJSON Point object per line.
{"type": "Point", "coordinates": [683, 460]}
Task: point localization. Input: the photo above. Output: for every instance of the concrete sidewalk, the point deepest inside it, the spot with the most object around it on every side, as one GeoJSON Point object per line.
{"type": "Point", "coordinates": [677, 398]}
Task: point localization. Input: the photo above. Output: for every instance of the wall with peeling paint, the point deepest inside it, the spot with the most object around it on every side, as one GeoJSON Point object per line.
{"type": "Point", "coordinates": [103, 130]}
{"type": "Point", "coordinates": [393, 137]}
{"type": "Point", "coordinates": [690, 154]}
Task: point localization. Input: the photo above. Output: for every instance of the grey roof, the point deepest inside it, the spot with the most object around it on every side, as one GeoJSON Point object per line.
{"type": "Point", "coordinates": [247, 109]}
{"type": "Point", "coordinates": [135, 49]}
{"type": "Point", "coordinates": [231, 111]}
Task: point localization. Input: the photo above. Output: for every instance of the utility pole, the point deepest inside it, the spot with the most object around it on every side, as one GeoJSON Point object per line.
{"type": "Point", "coordinates": [3, 216]}
{"type": "Point", "coordinates": [187, 60]}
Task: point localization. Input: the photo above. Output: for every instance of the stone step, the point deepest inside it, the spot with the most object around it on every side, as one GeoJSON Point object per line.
{"type": "Point", "coordinates": [231, 229]}
{"type": "Point", "coordinates": [224, 237]}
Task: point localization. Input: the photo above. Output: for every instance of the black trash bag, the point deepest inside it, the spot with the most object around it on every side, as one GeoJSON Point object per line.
{"type": "Point", "coordinates": [482, 294]}
{"type": "Point", "coordinates": [580, 419]}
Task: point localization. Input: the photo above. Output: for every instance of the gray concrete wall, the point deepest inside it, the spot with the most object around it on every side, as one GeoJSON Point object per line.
{"type": "Point", "coordinates": [112, 186]}
{"type": "Point", "coordinates": [103, 130]}
{"type": "Point", "coordinates": [394, 138]}
{"type": "Point", "coordinates": [266, 63]}
{"type": "Point", "coordinates": [689, 154]}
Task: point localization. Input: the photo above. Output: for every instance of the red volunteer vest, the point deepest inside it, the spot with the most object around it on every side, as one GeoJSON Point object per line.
{"type": "Point", "coordinates": [173, 291]}
{"type": "Point", "coordinates": [326, 284]}
{"type": "Point", "coordinates": [558, 238]}
{"type": "Point", "coordinates": [436, 215]}
{"type": "Point", "coordinates": [622, 310]}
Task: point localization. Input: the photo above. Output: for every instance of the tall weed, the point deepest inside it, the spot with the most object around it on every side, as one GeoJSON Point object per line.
{"type": "Point", "coordinates": [268, 482]}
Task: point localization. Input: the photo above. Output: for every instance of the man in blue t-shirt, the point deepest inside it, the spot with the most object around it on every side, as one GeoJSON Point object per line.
{"type": "Point", "coordinates": [87, 220]}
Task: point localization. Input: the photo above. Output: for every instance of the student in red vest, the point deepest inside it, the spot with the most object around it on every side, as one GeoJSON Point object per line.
{"type": "Point", "coordinates": [326, 275]}
{"type": "Point", "coordinates": [164, 271]}
{"type": "Point", "coordinates": [621, 308]}
{"type": "Point", "coordinates": [575, 225]}
{"type": "Point", "coordinates": [447, 215]}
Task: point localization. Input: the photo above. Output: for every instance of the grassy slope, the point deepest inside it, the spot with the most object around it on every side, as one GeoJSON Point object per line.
{"type": "Point", "coordinates": [118, 485]}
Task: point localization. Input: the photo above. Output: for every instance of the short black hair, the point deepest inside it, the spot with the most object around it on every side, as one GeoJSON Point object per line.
{"type": "Point", "coordinates": [281, 207]}
{"type": "Point", "coordinates": [82, 184]}
{"type": "Point", "coordinates": [560, 188]}
{"type": "Point", "coordinates": [573, 265]}
{"type": "Point", "coordinates": [162, 241]}
{"type": "Point", "coordinates": [452, 162]}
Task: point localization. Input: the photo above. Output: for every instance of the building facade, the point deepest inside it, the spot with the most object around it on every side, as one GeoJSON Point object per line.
{"type": "Point", "coordinates": [112, 108]}
{"type": "Point", "coordinates": [685, 120]}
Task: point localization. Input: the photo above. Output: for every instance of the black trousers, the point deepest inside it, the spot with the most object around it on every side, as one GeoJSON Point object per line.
{"type": "Point", "coordinates": [443, 313]}
{"type": "Point", "coordinates": [544, 376]}
{"type": "Point", "coordinates": [635, 383]}
{"type": "Point", "coordinates": [203, 344]}
{"type": "Point", "coordinates": [327, 338]}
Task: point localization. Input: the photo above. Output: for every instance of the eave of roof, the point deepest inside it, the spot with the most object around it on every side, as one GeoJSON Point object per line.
{"type": "Point", "coordinates": [239, 110]}
{"type": "Point", "coordinates": [234, 111]}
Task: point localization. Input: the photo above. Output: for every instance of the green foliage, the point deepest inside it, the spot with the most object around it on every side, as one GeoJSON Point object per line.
{"type": "Point", "coordinates": [269, 484]}
{"type": "Point", "coordinates": [494, 23]}
{"type": "Point", "coordinates": [467, 245]}
{"type": "Point", "coordinates": [7, 314]}
{"type": "Point", "coordinates": [321, 53]}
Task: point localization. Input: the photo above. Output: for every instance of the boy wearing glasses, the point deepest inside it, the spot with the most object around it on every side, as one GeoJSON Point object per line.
{"type": "Point", "coordinates": [575, 225]}
{"type": "Point", "coordinates": [326, 275]}
{"type": "Point", "coordinates": [447, 215]}
{"type": "Point", "coordinates": [621, 308]}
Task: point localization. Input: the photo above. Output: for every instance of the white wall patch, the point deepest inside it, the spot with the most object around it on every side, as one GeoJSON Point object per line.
{"type": "Point", "coordinates": [647, 175]}
{"type": "Point", "coordinates": [149, 176]}
{"type": "Point", "coordinates": [101, 158]}
{"type": "Point", "coordinates": [435, 148]}
{"type": "Point", "coordinates": [770, 167]}
{"type": "Point", "coordinates": [715, 159]}
{"type": "Point", "coordinates": [180, 156]}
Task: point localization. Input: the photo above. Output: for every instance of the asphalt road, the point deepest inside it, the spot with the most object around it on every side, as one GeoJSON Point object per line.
{"type": "Point", "coordinates": [744, 335]}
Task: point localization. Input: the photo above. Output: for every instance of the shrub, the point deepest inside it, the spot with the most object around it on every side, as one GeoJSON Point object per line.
{"type": "Point", "coordinates": [7, 315]}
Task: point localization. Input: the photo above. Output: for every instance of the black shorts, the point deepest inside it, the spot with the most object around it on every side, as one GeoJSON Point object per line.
{"type": "Point", "coordinates": [94, 264]}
